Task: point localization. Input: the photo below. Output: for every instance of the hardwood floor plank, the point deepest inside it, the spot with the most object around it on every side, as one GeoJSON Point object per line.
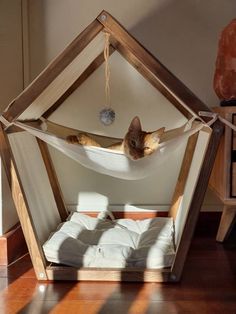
{"type": "Point", "coordinates": [140, 307]}
{"type": "Point", "coordinates": [208, 285]}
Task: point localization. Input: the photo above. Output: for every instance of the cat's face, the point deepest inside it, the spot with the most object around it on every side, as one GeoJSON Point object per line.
{"type": "Point", "coordinates": [138, 143]}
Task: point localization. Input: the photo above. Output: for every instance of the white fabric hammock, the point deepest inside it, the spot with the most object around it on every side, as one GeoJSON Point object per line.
{"type": "Point", "coordinates": [115, 163]}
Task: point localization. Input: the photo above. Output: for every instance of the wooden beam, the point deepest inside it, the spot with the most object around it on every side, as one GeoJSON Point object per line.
{"type": "Point", "coordinates": [226, 222]}
{"type": "Point", "coordinates": [53, 180]}
{"type": "Point", "coordinates": [22, 207]}
{"type": "Point", "coordinates": [183, 176]}
{"type": "Point", "coordinates": [166, 82]}
{"type": "Point", "coordinates": [15, 129]}
{"type": "Point", "coordinates": [108, 274]}
{"type": "Point", "coordinates": [197, 200]}
{"type": "Point", "coordinates": [90, 69]}
{"type": "Point", "coordinates": [139, 66]}
{"type": "Point", "coordinates": [130, 215]}
{"type": "Point", "coordinates": [22, 102]}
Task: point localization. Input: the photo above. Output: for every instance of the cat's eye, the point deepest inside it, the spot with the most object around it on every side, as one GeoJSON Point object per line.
{"type": "Point", "coordinates": [133, 143]}
{"type": "Point", "coordinates": [147, 148]}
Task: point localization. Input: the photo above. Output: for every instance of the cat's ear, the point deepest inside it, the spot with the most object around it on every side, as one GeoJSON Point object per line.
{"type": "Point", "coordinates": [135, 124]}
{"type": "Point", "coordinates": [156, 135]}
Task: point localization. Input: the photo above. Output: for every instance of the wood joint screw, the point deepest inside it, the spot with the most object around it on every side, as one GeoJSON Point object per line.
{"type": "Point", "coordinates": [41, 275]}
{"type": "Point", "coordinates": [103, 17]}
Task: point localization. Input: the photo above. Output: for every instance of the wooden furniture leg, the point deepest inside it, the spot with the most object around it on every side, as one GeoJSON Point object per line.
{"type": "Point", "coordinates": [226, 222]}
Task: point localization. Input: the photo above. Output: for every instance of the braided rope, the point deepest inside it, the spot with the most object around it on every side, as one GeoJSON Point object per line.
{"type": "Point", "coordinates": [107, 70]}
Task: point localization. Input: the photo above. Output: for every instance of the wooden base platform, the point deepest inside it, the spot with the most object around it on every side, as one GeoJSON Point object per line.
{"type": "Point", "coordinates": [207, 286]}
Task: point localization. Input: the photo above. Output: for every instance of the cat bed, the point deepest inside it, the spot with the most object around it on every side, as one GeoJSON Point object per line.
{"type": "Point", "coordinates": [108, 161]}
{"type": "Point", "coordinates": [34, 185]}
{"type": "Point", "coordinates": [84, 241]}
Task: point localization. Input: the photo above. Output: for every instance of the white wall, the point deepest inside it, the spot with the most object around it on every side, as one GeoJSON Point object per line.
{"type": "Point", "coordinates": [131, 95]}
{"type": "Point", "coordinates": [11, 84]}
{"type": "Point", "coordinates": [183, 35]}
{"type": "Point", "coordinates": [10, 51]}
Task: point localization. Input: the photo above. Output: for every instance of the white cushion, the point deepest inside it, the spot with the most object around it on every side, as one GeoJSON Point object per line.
{"type": "Point", "coordinates": [92, 242]}
{"type": "Point", "coordinates": [100, 236]}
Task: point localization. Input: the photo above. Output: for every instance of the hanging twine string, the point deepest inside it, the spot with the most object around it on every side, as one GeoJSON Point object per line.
{"type": "Point", "coordinates": [107, 114]}
{"type": "Point", "coordinates": [107, 70]}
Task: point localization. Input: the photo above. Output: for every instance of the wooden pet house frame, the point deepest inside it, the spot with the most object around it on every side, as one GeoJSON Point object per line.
{"type": "Point", "coordinates": [46, 93]}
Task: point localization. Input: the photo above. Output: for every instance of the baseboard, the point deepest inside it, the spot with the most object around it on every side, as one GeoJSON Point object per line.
{"type": "Point", "coordinates": [12, 245]}
{"type": "Point", "coordinates": [136, 208]}
{"type": "Point", "coordinates": [130, 215]}
{"type": "Point", "coordinates": [118, 208]}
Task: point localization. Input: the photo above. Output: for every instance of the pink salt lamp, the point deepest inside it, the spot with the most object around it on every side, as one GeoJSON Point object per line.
{"type": "Point", "coordinates": [225, 68]}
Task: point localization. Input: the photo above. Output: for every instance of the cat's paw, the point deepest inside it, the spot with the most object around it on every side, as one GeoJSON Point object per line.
{"type": "Point", "coordinates": [82, 139]}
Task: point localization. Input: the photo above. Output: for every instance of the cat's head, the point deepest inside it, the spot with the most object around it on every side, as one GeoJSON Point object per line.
{"type": "Point", "coordinates": [138, 143]}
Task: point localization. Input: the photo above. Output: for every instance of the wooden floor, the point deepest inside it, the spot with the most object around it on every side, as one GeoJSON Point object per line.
{"type": "Point", "coordinates": [208, 285]}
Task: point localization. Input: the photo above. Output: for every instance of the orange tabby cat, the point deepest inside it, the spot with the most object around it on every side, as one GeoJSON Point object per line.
{"type": "Point", "coordinates": [136, 143]}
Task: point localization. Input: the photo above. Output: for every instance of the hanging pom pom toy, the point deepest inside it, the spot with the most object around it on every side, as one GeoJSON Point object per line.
{"type": "Point", "coordinates": [107, 114]}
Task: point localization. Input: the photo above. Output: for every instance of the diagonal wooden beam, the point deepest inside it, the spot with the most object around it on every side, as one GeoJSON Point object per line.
{"type": "Point", "coordinates": [22, 102]}
{"type": "Point", "coordinates": [183, 176]}
{"type": "Point", "coordinates": [53, 180]}
{"type": "Point", "coordinates": [145, 62]}
{"type": "Point", "coordinates": [90, 69]}
{"type": "Point", "coordinates": [22, 207]}
{"type": "Point", "coordinates": [197, 200]}
{"type": "Point", "coordinates": [152, 79]}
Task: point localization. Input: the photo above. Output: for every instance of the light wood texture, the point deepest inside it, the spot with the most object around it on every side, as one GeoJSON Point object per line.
{"type": "Point", "coordinates": [145, 72]}
{"type": "Point", "coordinates": [220, 176]}
{"type": "Point", "coordinates": [3, 251]}
{"type": "Point", "coordinates": [226, 222]}
{"type": "Point", "coordinates": [223, 177]}
{"type": "Point", "coordinates": [22, 102]}
{"type": "Point", "coordinates": [162, 275]}
{"type": "Point", "coordinates": [89, 70]}
{"type": "Point", "coordinates": [197, 200]}
{"type": "Point", "coordinates": [58, 272]}
{"type": "Point", "coordinates": [147, 64]}
{"type": "Point", "coordinates": [22, 208]}
{"type": "Point", "coordinates": [131, 215]}
{"type": "Point", "coordinates": [63, 81]}
{"type": "Point", "coordinates": [56, 189]}
{"type": "Point", "coordinates": [171, 87]}
{"type": "Point", "coordinates": [183, 175]}
{"type": "Point", "coordinates": [13, 128]}
{"type": "Point", "coordinates": [35, 181]}
{"type": "Point", "coordinates": [207, 285]}
{"type": "Point", "coordinates": [108, 274]}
